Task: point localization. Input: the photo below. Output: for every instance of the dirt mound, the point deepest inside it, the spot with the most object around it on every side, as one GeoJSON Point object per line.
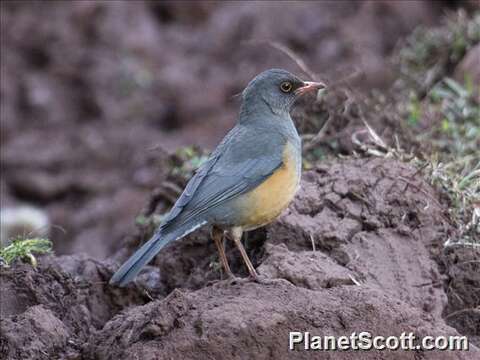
{"type": "Point", "coordinates": [350, 222]}
{"type": "Point", "coordinates": [51, 311]}
{"type": "Point", "coordinates": [326, 264]}
{"type": "Point", "coordinates": [358, 215]}
{"type": "Point", "coordinates": [365, 215]}
{"type": "Point", "coordinates": [248, 320]}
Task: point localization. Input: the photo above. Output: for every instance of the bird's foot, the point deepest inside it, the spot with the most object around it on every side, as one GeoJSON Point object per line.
{"type": "Point", "coordinates": [227, 281]}
{"type": "Point", "coordinates": [231, 278]}
{"type": "Point", "coordinates": [260, 279]}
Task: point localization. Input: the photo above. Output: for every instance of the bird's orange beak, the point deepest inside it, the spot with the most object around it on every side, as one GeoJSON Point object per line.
{"type": "Point", "coordinates": [309, 86]}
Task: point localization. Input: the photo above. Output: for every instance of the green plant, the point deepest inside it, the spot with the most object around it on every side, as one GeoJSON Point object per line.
{"type": "Point", "coordinates": [24, 249]}
{"type": "Point", "coordinates": [458, 112]}
{"type": "Point", "coordinates": [447, 115]}
{"type": "Point", "coordinates": [460, 181]}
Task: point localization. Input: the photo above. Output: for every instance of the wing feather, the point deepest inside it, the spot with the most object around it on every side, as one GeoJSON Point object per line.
{"type": "Point", "coordinates": [237, 166]}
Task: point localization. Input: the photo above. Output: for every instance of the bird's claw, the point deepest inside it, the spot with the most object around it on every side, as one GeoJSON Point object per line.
{"type": "Point", "coordinates": [259, 279]}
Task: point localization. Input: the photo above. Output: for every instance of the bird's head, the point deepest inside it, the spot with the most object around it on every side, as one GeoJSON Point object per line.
{"type": "Point", "coordinates": [276, 90]}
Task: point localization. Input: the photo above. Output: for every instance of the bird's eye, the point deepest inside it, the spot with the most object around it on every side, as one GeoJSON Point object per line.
{"type": "Point", "coordinates": [286, 86]}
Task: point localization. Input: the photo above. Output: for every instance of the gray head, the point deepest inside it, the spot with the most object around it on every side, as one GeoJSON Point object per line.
{"type": "Point", "coordinates": [274, 90]}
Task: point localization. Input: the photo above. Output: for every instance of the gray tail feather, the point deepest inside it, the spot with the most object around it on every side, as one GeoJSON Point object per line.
{"type": "Point", "coordinates": [147, 252]}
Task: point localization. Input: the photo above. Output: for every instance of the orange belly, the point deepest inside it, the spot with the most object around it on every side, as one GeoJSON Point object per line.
{"type": "Point", "coordinates": [264, 203]}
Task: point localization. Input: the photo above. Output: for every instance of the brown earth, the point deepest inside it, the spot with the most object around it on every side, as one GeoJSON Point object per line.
{"type": "Point", "coordinates": [353, 253]}
{"type": "Point", "coordinates": [360, 249]}
{"type": "Point", "coordinates": [252, 321]}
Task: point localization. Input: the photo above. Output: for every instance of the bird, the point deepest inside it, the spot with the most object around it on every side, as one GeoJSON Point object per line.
{"type": "Point", "coordinates": [246, 182]}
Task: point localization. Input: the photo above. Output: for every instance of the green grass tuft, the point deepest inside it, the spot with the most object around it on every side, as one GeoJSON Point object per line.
{"type": "Point", "coordinates": [24, 249]}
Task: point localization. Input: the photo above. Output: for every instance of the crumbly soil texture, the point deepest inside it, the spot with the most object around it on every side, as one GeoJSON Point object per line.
{"type": "Point", "coordinates": [356, 251]}
{"type": "Point", "coordinates": [89, 106]}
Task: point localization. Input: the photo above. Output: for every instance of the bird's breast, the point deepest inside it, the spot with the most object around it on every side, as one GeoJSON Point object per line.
{"type": "Point", "coordinates": [264, 203]}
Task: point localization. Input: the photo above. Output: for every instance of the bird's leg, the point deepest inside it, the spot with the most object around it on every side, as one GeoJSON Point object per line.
{"type": "Point", "coordinates": [217, 236]}
{"type": "Point", "coordinates": [236, 233]}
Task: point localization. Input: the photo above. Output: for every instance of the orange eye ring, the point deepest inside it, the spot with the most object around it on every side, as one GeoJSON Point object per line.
{"type": "Point", "coordinates": [286, 86]}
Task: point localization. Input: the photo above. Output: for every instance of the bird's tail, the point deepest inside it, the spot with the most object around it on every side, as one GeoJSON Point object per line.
{"type": "Point", "coordinates": [147, 252]}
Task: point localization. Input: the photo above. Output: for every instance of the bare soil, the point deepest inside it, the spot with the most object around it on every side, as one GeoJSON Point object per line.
{"type": "Point", "coordinates": [96, 95]}
{"type": "Point", "coordinates": [354, 252]}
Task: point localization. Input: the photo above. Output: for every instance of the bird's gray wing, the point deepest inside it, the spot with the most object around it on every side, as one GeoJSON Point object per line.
{"type": "Point", "coordinates": [240, 163]}
{"type": "Point", "coordinates": [190, 189]}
